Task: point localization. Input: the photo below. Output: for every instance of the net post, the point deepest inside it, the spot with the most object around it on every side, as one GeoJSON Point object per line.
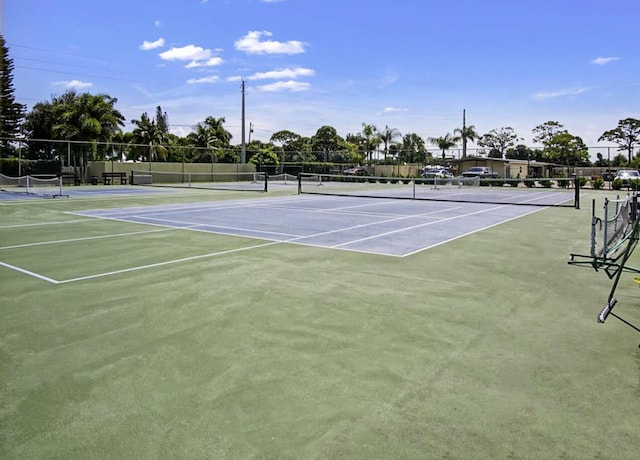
{"type": "Point", "coordinates": [594, 223]}
{"type": "Point", "coordinates": [266, 181]}
{"type": "Point", "coordinates": [576, 186]}
{"type": "Point", "coordinates": [605, 245]}
{"type": "Point", "coordinates": [299, 183]}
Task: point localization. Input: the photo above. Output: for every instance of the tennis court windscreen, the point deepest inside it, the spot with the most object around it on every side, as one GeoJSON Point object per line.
{"type": "Point", "coordinates": [530, 192]}
{"type": "Point", "coordinates": [250, 181]}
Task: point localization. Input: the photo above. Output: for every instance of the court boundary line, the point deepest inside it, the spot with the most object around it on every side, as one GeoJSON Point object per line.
{"type": "Point", "coordinates": [98, 237]}
{"type": "Point", "coordinates": [297, 240]}
{"type": "Point", "coordinates": [269, 242]}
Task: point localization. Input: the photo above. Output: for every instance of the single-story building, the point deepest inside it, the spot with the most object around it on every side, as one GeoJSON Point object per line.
{"type": "Point", "coordinates": [505, 167]}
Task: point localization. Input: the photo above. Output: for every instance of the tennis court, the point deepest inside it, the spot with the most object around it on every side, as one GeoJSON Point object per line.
{"type": "Point", "coordinates": [221, 324]}
{"type": "Point", "coordinates": [386, 227]}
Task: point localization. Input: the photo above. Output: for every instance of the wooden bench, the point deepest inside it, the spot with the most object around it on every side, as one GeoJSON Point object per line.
{"type": "Point", "coordinates": [67, 178]}
{"type": "Point", "coordinates": [107, 177]}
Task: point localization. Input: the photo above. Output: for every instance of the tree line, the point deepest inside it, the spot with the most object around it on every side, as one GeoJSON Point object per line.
{"type": "Point", "coordinates": [94, 126]}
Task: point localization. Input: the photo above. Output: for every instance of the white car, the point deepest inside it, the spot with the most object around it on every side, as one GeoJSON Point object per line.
{"type": "Point", "coordinates": [627, 175]}
{"type": "Point", "coordinates": [440, 173]}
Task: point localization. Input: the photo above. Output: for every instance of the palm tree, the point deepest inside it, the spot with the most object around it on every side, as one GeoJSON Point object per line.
{"type": "Point", "coordinates": [387, 136]}
{"type": "Point", "coordinates": [147, 132]}
{"type": "Point", "coordinates": [86, 117]}
{"type": "Point", "coordinates": [412, 147]}
{"type": "Point", "coordinates": [204, 138]}
{"type": "Point", "coordinates": [210, 135]}
{"type": "Point", "coordinates": [444, 143]}
{"type": "Point", "coordinates": [371, 140]}
{"type": "Point", "coordinates": [466, 133]}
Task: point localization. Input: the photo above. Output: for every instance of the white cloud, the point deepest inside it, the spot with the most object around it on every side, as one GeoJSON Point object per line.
{"type": "Point", "coordinates": [214, 61]}
{"type": "Point", "coordinates": [198, 56]}
{"type": "Point", "coordinates": [252, 44]}
{"type": "Point", "coordinates": [285, 86]}
{"type": "Point", "coordinates": [186, 53]}
{"type": "Point", "coordinates": [560, 93]}
{"type": "Point", "coordinates": [73, 84]}
{"type": "Point", "coordinates": [604, 60]}
{"type": "Point", "coordinates": [157, 23]}
{"type": "Point", "coordinates": [394, 110]}
{"type": "Point", "coordinates": [152, 45]}
{"type": "Point", "coordinates": [282, 73]}
{"type": "Point", "coordinates": [210, 79]}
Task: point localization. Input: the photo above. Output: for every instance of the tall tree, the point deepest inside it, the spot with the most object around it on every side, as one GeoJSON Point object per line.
{"type": "Point", "coordinates": [90, 118]}
{"type": "Point", "coordinates": [444, 143]}
{"type": "Point", "coordinates": [148, 133]}
{"type": "Point", "coordinates": [212, 136]}
{"type": "Point", "coordinates": [290, 144]}
{"type": "Point", "coordinates": [162, 120]}
{"type": "Point", "coordinates": [566, 149]}
{"type": "Point", "coordinates": [371, 141]}
{"type": "Point", "coordinates": [499, 140]}
{"type": "Point", "coordinates": [544, 132]}
{"type": "Point", "coordinates": [466, 133]}
{"type": "Point", "coordinates": [413, 148]}
{"type": "Point", "coordinates": [11, 113]}
{"type": "Point", "coordinates": [626, 135]}
{"type": "Point", "coordinates": [387, 136]}
{"type": "Point", "coordinates": [326, 142]}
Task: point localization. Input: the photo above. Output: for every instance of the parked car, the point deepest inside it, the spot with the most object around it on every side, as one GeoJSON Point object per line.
{"type": "Point", "coordinates": [480, 171]}
{"type": "Point", "coordinates": [355, 172]}
{"type": "Point", "coordinates": [627, 175]}
{"type": "Point", "coordinates": [439, 173]}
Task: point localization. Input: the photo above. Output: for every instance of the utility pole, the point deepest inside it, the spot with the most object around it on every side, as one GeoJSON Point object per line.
{"type": "Point", "coordinates": [464, 133]}
{"type": "Point", "coordinates": [243, 153]}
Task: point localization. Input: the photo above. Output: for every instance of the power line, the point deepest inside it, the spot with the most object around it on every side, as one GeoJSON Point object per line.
{"type": "Point", "coordinates": [89, 75]}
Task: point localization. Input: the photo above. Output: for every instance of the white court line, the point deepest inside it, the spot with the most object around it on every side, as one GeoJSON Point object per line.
{"type": "Point", "coordinates": [472, 232]}
{"type": "Point", "coordinates": [30, 273]}
{"type": "Point", "coordinates": [73, 240]}
{"type": "Point", "coordinates": [45, 223]}
{"type": "Point", "coordinates": [345, 210]}
{"type": "Point", "coordinates": [193, 224]}
{"type": "Point", "coordinates": [295, 240]}
{"type": "Point", "coordinates": [168, 262]}
{"type": "Point", "coordinates": [296, 237]}
{"type": "Point", "coordinates": [185, 259]}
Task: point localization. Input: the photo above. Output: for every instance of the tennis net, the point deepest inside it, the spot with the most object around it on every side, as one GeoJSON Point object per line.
{"type": "Point", "coordinates": [528, 192]}
{"type": "Point", "coordinates": [283, 179]}
{"type": "Point", "coordinates": [47, 186]}
{"type": "Point", "coordinates": [250, 181]}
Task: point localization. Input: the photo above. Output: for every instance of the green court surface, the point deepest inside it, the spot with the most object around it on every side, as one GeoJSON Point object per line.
{"type": "Point", "coordinates": [203, 345]}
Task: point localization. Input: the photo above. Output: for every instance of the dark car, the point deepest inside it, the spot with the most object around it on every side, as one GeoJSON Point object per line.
{"type": "Point", "coordinates": [355, 172]}
{"type": "Point", "coordinates": [480, 171]}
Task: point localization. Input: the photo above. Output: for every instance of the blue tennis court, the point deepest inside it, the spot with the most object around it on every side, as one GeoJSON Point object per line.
{"type": "Point", "coordinates": [371, 225]}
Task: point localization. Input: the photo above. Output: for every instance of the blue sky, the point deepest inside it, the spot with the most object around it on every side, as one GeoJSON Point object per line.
{"type": "Point", "coordinates": [413, 65]}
